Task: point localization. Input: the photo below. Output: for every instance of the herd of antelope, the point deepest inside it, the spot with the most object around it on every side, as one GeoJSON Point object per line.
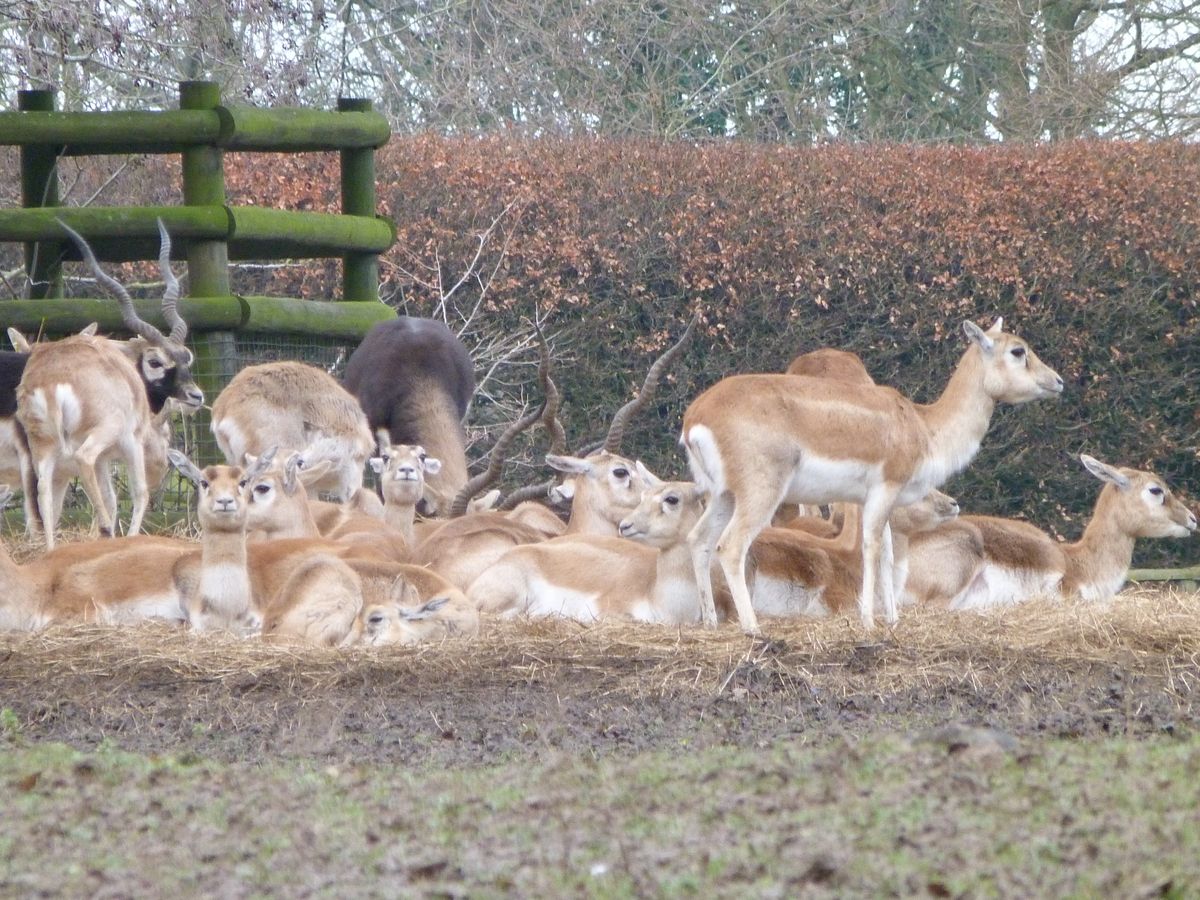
{"type": "Point", "coordinates": [425, 556]}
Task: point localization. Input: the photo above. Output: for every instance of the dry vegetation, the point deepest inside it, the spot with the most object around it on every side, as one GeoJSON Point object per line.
{"type": "Point", "coordinates": [1047, 749]}
{"type": "Point", "coordinates": [525, 687]}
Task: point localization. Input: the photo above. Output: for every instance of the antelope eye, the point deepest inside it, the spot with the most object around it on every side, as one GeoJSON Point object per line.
{"type": "Point", "coordinates": [621, 473]}
{"type": "Point", "coordinates": [156, 364]}
{"type": "Point", "coordinates": [1018, 352]}
{"type": "Point", "coordinates": [242, 483]}
{"type": "Point", "coordinates": [262, 489]}
{"type": "Point", "coordinates": [376, 618]}
{"type": "Point", "coordinates": [671, 500]}
{"type": "Point", "coordinates": [203, 485]}
{"type": "Point", "coordinates": [1156, 490]}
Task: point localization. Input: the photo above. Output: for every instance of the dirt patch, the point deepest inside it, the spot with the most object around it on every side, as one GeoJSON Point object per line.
{"type": "Point", "coordinates": [527, 689]}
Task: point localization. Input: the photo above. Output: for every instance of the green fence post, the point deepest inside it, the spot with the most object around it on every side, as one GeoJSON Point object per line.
{"type": "Point", "coordinates": [39, 187]}
{"type": "Point", "coordinates": [208, 261]}
{"type": "Point", "coordinates": [360, 271]}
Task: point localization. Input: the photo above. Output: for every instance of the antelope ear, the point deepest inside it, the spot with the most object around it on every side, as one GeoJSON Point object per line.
{"type": "Point", "coordinates": [1104, 472]}
{"type": "Point", "coordinates": [315, 472]}
{"type": "Point", "coordinates": [376, 464]}
{"type": "Point", "coordinates": [652, 480]}
{"type": "Point", "coordinates": [997, 326]}
{"type": "Point", "coordinates": [432, 465]}
{"type": "Point", "coordinates": [978, 336]}
{"type": "Point", "coordinates": [185, 466]}
{"type": "Point", "coordinates": [383, 439]}
{"type": "Point", "coordinates": [571, 465]}
{"type": "Point", "coordinates": [19, 341]}
{"type": "Point", "coordinates": [425, 611]}
{"type": "Point", "coordinates": [486, 502]}
{"type": "Point", "coordinates": [563, 493]}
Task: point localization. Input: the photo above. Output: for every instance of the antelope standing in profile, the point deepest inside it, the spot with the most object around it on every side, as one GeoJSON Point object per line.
{"type": "Point", "coordinates": [755, 441]}
{"type": "Point", "coordinates": [82, 401]}
{"type": "Point", "coordinates": [983, 561]}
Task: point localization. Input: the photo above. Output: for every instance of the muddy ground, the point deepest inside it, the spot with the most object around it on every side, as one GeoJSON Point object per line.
{"type": "Point", "coordinates": [523, 690]}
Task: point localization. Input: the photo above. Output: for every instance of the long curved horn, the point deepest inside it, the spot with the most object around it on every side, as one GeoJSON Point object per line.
{"type": "Point", "coordinates": [170, 300]}
{"type": "Point", "coordinates": [129, 315]}
{"type": "Point", "coordinates": [616, 431]}
{"type": "Point", "coordinates": [491, 475]}
{"type": "Point", "coordinates": [547, 412]}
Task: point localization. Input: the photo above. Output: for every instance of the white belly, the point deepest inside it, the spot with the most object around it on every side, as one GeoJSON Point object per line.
{"type": "Point", "coordinates": [820, 480]}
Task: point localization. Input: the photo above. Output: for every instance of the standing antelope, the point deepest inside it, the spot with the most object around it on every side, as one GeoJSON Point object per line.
{"type": "Point", "coordinates": [755, 441]}
{"type": "Point", "coordinates": [291, 405]}
{"type": "Point", "coordinates": [414, 379]}
{"type": "Point", "coordinates": [984, 561]}
{"type": "Point", "coordinates": [84, 401]}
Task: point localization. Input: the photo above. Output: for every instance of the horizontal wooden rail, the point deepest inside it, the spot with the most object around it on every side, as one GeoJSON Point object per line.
{"type": "Point", "coordinates": [171, 131]}
{"type": "Point", "coordinates": [121, 234]}
{"type": "Point", "coordinates": [285, 315]}
{"type": "Point", "coordinates": [1189, 573]}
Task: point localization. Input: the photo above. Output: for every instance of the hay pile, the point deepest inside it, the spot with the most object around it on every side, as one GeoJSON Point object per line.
{"type": "Point", "coordinates": [1150, 631]}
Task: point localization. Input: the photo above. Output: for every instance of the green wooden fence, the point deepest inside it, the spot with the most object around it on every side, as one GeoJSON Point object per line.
{"type": "Point", "coordinates": [205, 230]}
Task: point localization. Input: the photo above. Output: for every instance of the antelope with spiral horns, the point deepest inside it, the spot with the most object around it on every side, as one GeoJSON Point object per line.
{"type": "Point", "coordinates": [756, 441]}
{"type": "Point", "coordinates": [89, 400]}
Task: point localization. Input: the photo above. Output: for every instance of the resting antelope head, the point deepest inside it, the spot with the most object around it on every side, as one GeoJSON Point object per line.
{"type": "Point", "coordinates": [1139, 503]}
{"type": "Point", "coordinates": [402, 469]}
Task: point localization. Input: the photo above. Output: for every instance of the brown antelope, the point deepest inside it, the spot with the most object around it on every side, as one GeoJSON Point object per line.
{"type": "Point", "coordinates": [414, 379]}
{"type": "Point", "coordinates": [794, 571]}
{"type": "Point", "coordinates": [402, 469]}
{"type": "Point", "coordinates": [755, 441]}
{"type": "Point", "coordinates": [837, 365]}
{"type": "Point", "coordinates": [983, 561]}
{"type": "Point", "coordinates": [86, 401]}
{"type": "Point", "coordinates": [291, 405]}
{"type": "Point", "coordinates": [310, 588]}
{"type": "Point", "coordinates": [645, 575]}
{"type": "Point", "coordinates": [397, 623]}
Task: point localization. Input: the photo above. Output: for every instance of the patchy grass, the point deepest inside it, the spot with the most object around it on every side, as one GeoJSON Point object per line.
{"type": "Point", "coordinates": [884, 815]}
{"type": "Point", "coordinates": [550, 758]}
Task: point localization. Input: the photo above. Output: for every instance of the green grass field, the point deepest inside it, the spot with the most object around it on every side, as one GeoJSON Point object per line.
{"type": "Point", "coordinates": [898, 816]}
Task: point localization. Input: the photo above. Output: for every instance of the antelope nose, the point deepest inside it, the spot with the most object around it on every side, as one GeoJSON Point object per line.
{"type": "Point", "coordinates": [1191, 521]}
{"type": "Point", "coordinates": [225, 504]}
{"type": "Point", "coordinates": [195, 397]}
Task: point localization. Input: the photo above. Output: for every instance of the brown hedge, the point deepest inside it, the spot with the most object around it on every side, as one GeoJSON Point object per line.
{"type": "Point", "coordinates": [1088, 249]}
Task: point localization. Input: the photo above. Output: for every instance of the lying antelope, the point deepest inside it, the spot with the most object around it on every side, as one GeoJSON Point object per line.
{"type": "Point", "coordinates": [300, 588]}
{"type": "Point", "coordinates": [645, 575]}
{"type": "Point", "coordinates": [982, 561]}
{"type": "Point", "coordinates": [794, 571]}
{"type": "Point", "coordinates": [756, 441]}
{"type": "Point", "coordinates": [402, 470]}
